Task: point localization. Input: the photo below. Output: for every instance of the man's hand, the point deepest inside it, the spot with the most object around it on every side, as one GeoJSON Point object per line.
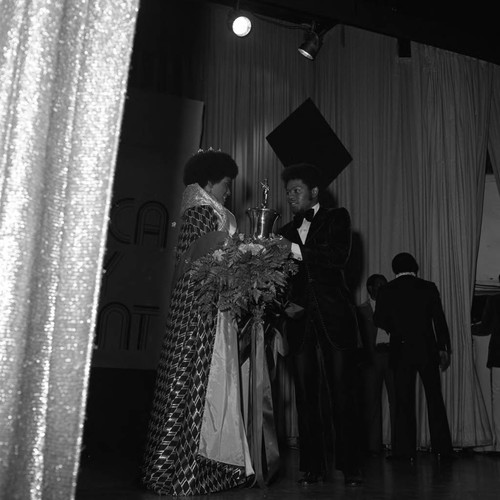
{"type": "Point", "coordinates": [444, 360]}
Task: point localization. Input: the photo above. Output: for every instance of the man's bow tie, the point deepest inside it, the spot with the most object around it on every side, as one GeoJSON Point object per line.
{"type": "Point", "coordinates": [299, 218]}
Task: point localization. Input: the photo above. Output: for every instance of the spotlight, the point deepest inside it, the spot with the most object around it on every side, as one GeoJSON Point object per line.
{"type": "Point", "coordinates": [313, 39]}
{"type": "Point", "coordinates": [311, 45]}
{"type": "Point", "coordinates": [239, 23]}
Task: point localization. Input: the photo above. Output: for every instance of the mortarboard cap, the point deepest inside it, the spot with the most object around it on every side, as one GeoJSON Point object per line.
{"type": "Point", "coordinates": [306, 137]}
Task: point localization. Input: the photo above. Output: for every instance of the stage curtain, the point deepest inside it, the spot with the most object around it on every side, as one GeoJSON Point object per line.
{"type": "Point", "coordinates": [417, 129]}
{"type": "Point", "coordinates": [452, 96]}
{"type": "Point", "coordinates": [63, 74]}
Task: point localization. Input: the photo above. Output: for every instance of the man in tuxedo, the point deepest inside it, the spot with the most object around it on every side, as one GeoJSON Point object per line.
{"type": "Point", "coordinates": [410, 310]}
{"type": "Point", "coordinates": [377, 371]}
{"type": "Point", "coordinates": [322, 329]}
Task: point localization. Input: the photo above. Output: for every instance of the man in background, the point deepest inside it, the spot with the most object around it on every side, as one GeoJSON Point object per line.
{"type": "Point", "coordinates": [410, 310]}
{"type": "Point", "coordinates": [377, 371]}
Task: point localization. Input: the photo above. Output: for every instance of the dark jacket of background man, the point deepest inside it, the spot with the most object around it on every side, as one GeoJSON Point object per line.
{"type": "Point", "coordinates": [410, 310]}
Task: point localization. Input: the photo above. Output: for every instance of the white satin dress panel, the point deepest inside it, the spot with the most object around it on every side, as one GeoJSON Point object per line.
{"type": "Point", "coordinates": [223, 432]}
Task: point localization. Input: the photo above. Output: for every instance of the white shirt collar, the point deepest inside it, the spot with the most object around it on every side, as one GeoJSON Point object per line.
{"type": "Point", "coordinates": [409, 273]}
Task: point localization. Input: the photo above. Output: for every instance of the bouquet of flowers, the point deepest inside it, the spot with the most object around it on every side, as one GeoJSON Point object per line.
{"type": "Point", "coordinates": [245, 276]}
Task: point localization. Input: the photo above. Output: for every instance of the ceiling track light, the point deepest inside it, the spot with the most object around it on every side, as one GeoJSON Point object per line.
{"type": "Point", "coordinates": [309, 48]}
{"type": "Point", "coordinates": [239, 22]}
{"type": "Point", "coordinates": [313, 40]}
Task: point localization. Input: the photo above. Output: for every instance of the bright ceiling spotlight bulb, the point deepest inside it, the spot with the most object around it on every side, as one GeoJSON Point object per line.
{"type": "Point", "coordinates": [241, 26]}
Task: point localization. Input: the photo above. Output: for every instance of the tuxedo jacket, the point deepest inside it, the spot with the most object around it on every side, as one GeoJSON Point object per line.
{"type": "Point", "coordinates": [410, 310]}
{"type": "Point", "coordinates": [319, 286]}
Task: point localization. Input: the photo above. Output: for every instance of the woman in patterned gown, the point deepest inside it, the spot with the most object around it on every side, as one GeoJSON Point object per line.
{"type": "Point", "coordinates": [196, 437]}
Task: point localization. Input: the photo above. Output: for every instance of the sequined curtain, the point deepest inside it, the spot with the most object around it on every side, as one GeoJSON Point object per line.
{"type": "Point", "coordinates": [63, 74]}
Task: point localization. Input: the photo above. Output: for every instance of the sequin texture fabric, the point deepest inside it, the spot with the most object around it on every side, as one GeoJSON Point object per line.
{"type": "Point", "coordinates": [63, 74]}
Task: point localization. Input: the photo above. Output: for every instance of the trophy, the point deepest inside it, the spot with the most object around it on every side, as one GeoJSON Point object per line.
{"type": "Point", "coordinates": [262, 219]}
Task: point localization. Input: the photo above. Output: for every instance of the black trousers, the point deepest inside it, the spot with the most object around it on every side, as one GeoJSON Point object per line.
{"type": "Point", "coordinates": [325, 384]}
{"type": "Point", "coordinates": [404, 441]}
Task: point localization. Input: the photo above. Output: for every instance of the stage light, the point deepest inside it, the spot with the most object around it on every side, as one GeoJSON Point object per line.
{"type": "Point", "coordinates": [311, 45]}
{"type": "Point", "coordinates": [313, 38]}
{"type": "Point", "coordinates": [240, 24]}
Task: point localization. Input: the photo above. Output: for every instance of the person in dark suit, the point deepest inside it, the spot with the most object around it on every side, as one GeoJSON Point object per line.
{"type": "Point", "coordinates": [377, 371]}
{"type": "Point", "coordinates": [410, 310]}
{"type": "Point", "coordinates": [322, 331]}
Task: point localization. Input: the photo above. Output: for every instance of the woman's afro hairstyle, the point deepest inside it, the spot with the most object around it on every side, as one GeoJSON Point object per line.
{"type": "Point", "coordinates": [210, 165]}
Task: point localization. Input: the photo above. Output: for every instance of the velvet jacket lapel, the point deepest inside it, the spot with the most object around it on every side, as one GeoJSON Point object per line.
{"type": "Point", "coordinates": [316, 224]}
{"type": "Point", "coordinates": [290, 231]}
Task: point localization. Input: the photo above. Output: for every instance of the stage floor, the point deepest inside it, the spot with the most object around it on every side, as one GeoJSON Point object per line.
{"type": "Point", "coordinates": [112, 476]}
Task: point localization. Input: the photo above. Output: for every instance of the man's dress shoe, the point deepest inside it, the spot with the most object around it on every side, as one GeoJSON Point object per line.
{"type": "Point", "coordinates": [310, 478]}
